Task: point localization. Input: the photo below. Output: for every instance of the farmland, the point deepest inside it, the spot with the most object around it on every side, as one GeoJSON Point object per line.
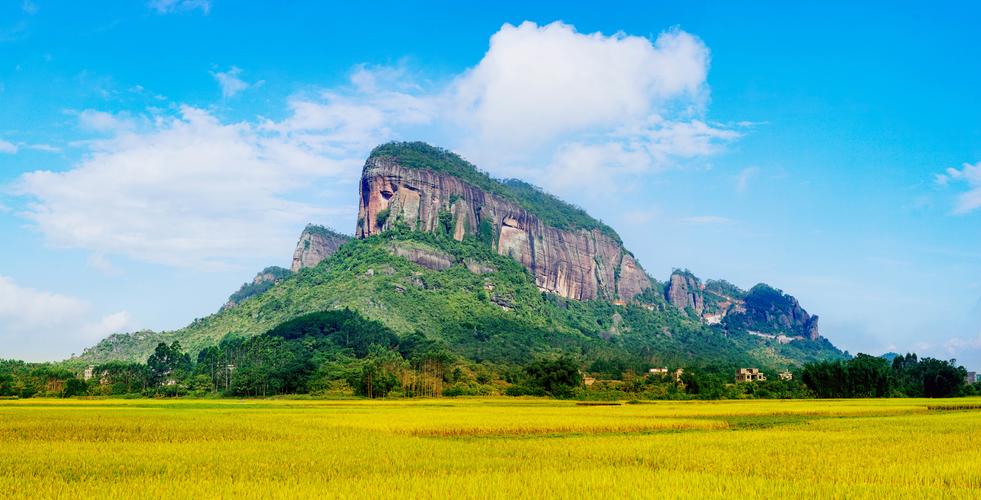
{"type": "Point", "coordinates": [503, 448]}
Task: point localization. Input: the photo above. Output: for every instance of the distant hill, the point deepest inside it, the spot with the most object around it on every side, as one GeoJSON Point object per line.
{"type": "Point", "coordinates": [502, 273]}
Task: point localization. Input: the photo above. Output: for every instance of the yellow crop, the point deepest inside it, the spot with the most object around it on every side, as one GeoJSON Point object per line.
{"type": "Point", "coordinates": [489, 448]}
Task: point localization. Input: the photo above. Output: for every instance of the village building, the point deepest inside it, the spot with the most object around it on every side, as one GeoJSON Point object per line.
{"type": "Point", "coordinates": [785, 375]}
{"type": "Point", "coordinates": [658, 371]}
{"type": "Point", "coordinates": [749, 375]}
{"type": "Point", "coordinates": [88, 373]}
{"type": "Point", "coordinates": [678, 373]}
{"type": "Point", "coordinates": [971, 378]}
{"type": "Point", "coordinates": [588, 381]}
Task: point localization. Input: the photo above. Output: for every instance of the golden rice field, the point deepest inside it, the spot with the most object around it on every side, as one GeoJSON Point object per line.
{"type": "Point", "coordinates": [490, 448]}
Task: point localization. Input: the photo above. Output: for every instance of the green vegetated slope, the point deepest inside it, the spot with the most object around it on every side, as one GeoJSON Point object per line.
{"type": "Point", "coordinates": [498, 316]}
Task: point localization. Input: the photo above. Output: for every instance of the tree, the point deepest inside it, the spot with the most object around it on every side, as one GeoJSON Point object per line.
{"type": "Point", "coordinates": [868, 377]}
{"type": "Point", "coordinates": [941, 379]}
{"type": "Point", "coordinates": [557, 377]}
{"type": "Point", "coordinates": [74, 387]}
{"type": "Point", "coordinates": [167, 362]}
{"type": "Point", "coordinates": [380, 372]}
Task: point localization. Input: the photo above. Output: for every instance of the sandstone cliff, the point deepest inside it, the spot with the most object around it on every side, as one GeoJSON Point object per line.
{"type": "Point", "coordinates": [432, 190]}
{"type": "Point", "coordinates": [316, 244]}
{"type": "Point", "coordinates": [684, 290]}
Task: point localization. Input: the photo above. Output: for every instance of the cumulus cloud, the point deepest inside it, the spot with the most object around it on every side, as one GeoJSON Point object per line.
{"type": "Point", "coordinates": [36, 325]}
{"type": "Point", "coordinates": [171, 6]}
{"type": "Point", "coordinates": [585, 107]}
{"type": "Point", "coordinates": [565, 108]}
{"type": "Point", "coordinates": [539, 82]}
{"type": "Point", "coordinates": [188, 190]}
{"type": "Point", "coordinates": [970, 175]}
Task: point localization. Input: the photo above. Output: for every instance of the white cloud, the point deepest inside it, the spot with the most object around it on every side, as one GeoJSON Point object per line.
{"type": "Point", "coordinates": [45, 148]}
{"type": "Point", "coordinates": [191, 191]}
{"type": "Point", "coordinates": [230, 83]}
{"type": "Point", "coordinates": [567, 109]}
{"type": "Point", "coordinates": [11, 148]}
{"type": "Point", "coordinates": [100, 263]}
{"type": "Point", "coordinates": [745, 175]}
{"type": "Point", "coordinates": [585, 107]}
{"type": "Point", "coordinates": [101, 121]}
{"type": "Point", "coordinates": [37, 325]}
{"type": "Point", "coordinates": [29, 7]}
{"type": "Point", "coordinates": [171, 6]}
{"type": "Point", "coordinates": [969, 174]}
{"type": "Point", "coordinates": [538, 82]}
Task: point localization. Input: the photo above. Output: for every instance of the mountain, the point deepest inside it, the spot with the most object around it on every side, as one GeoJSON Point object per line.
{"type": "Point", "coordinates": [568, 252]}
{"type": "Point", "coordinates": [763, 310]}
{"type": "Point", "coordinates": [500, 272]}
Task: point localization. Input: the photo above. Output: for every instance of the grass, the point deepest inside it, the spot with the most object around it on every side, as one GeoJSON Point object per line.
{"type": "Point", "coordinates": [497, 448]}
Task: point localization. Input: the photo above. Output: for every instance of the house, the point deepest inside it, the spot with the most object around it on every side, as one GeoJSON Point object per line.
{"type": "Point", "coordinates": [658, 371]}
{"type": "Point", "coordinates": [785, 375]}
{"type": "Point", "coordinates": [971, 378]}
{"type": "Point", "coordinates": [588, 381]}
{"type": "Point", "coordinates": [678, 373]}
{"type": "Point", "coordinates": [749, 375]}
{"type": "Point", "coordinates": [89, 372]}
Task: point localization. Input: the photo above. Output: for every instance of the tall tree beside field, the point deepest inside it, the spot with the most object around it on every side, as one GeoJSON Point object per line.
{"type": "Point", "coordinates": [167, 362]}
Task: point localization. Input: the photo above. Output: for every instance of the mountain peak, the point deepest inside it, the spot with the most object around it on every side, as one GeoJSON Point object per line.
{"type": "Point", "coordinates": [430, 189]}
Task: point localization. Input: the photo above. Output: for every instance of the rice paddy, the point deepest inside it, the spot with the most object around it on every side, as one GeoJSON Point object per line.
{"type": "Point", "coordinates": [490, 448]}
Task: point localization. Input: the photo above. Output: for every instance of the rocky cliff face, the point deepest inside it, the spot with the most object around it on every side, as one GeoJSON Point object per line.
{"type": "Point", "coordinates": [316, 244]}
{"type": "Point", "coordinates": [577, 263]}
{"type": "Point", "coordinates": [771, 311]}
{"type": "Point", "coordinates": [684, 290]}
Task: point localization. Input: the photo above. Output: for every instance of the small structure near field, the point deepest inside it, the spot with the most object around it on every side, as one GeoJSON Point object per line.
{"type": "Point", "coordinates": [588, 381]}
{"type": "Point", "coordinates": [971, 378]}
{"type": "Point", "coordinates": [658, 371]}
{"type": "Point", "coordinates": [785, 375]}
{"type": "Point", "coordinates": [678, 373]}
{"type": "Point", "coordinates": [749, 375]}
{"type": "Point", "coordinates": [88, 373]}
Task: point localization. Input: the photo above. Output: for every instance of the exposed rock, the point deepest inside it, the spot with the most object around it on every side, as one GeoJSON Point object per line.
{"type": "Point", "coordinates": [316, 244]}
{"type": "Point", "coordinates": [684, 290]}
{"type": "Point", "coordinates": [770, 310]}
{"type": "Point", "coordinates": [429, 258]}
{"type": "Point", "coordinates": [575, 263]}
{"type": "Point", "coordinates": [502, 302]}
{"type": "Point", "coordinates": [478, 267]}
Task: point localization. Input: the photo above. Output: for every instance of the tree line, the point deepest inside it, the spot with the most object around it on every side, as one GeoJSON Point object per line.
{"type": "Point", "coordinates": [341, 353]}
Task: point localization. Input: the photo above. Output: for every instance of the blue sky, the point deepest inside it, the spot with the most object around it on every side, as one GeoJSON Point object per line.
{"type": "Point", "coordinates": [154, 156]}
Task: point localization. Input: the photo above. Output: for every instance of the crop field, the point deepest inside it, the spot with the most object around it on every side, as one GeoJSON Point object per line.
{"type": "Point", "coordinates": [490, 448]}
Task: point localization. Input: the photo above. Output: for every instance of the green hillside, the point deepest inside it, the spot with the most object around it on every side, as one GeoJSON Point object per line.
{"type": "Point", "coordinates": [494, 315]}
